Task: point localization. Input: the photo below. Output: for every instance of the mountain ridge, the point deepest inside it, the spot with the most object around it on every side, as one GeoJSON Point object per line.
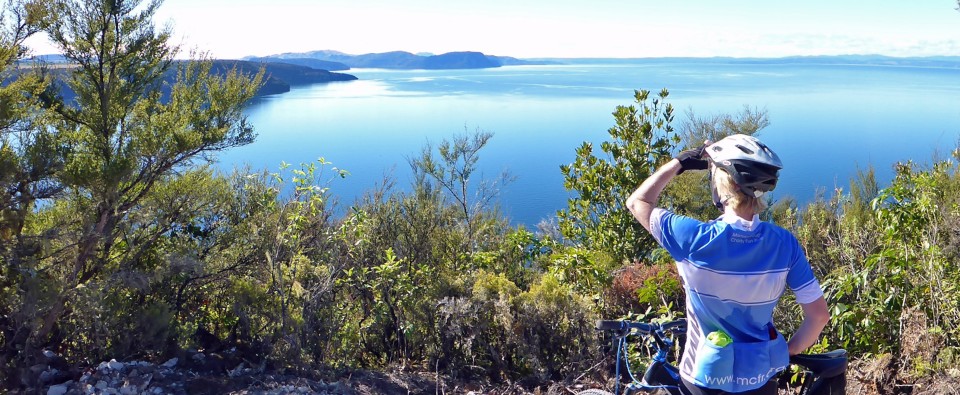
{"type": "Point", "coordinates": [884, 60]}
{"type": "Point", "coordinates": [473, 59]}
{"type": "Point", "coordinates": [332, 60]}
{"type": "Point", "coordinates": [404, 60]}
{"type": "Point", "coordinates": [278, 77]}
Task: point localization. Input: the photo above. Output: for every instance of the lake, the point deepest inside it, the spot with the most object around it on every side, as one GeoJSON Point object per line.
{"type": "Point", "coordinates": [826, 120]}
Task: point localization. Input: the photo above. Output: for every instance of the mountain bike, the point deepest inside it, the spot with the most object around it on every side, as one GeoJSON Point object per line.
{"type": "Point", "coordinates": [820, 374]}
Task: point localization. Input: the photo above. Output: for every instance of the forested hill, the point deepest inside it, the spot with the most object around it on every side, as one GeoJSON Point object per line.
{"type": "Point", "coordinates": [279, 77]}
{"type": "Point", "coordinates": [312, 63]}
{"type": "Point", "coordinates": [405, 60]}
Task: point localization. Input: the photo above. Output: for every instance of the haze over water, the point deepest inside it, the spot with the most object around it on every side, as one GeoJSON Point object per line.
{"type": "Point", "coordinates": [826, 121]}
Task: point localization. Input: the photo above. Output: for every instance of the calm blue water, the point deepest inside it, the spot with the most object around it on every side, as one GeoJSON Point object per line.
{"type": "Point", "coordinates": [826, 121]}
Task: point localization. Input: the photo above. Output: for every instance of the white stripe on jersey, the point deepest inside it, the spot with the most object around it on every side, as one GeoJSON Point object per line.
{"type": "Point", "coordinates": [745, 288]}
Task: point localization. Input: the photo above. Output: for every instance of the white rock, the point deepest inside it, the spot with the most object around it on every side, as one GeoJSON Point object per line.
{"type": "Point", "coordinates": [171, 362]}
{"type": "Point", "coordinates": [113, 364]}
{"type": "Point", "coordinates": [129, 390]}
{"type": "Point", "coordinates": [48, 375]}
{"type": "Point", "coordinates": [57, 389]}
{"type": "Point", "coordinates": [236, 371]}
{"type": "Point", "coordinates": [89, 389]}
{"type": "Point", "coordinates": [49, 354]}
{"type": "Point", "coordinates": [85, 378]}
{"type": "Point", "coordinates": [157, 390]}
{"type": "Point", "coordinates": [102, 385]}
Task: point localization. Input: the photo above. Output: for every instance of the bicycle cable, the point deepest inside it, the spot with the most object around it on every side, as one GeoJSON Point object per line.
{"type": "Point", "coordinates": [622, 347]}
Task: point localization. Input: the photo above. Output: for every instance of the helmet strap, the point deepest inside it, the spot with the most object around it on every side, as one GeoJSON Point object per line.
{"type": "Point", "coordinates": [713, 188]}
{"type": "Point", "coordinates": [716, 197]}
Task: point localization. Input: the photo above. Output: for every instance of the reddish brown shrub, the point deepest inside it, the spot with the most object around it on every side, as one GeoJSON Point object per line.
{"type": "Point", "coordinates": [638, 287]}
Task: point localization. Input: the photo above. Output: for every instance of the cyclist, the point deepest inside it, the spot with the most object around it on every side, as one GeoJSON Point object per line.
{"type": "Point", "coordinates": [734, 270]}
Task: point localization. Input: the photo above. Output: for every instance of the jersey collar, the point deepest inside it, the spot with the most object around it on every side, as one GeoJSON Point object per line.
{"type": "Point", "coordinates": [740, 223]}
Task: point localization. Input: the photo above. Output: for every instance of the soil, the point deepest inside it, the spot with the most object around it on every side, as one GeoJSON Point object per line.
{"type": "Point", "coordinates": [205, 374]}
{"type": "Point", "coordinates": [413, 383]}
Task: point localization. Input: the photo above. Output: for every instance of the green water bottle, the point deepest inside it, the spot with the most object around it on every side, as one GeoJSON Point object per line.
{"type": "Point", "coordinates": [719, 338]}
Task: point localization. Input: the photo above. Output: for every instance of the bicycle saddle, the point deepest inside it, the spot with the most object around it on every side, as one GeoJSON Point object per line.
{"type": "Point", "coordinates": [833, 363]}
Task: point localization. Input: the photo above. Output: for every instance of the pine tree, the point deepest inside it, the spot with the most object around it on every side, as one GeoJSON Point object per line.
{"type": "Point", "coordinates": [124, 128]}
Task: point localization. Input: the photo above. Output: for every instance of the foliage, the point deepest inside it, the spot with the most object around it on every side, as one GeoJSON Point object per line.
{"type": "Point", "coordinates": [596, 217]}
{"type": "Point", "coordinates": [476, 333]}
{"type": "Point", "coordinates": [641, 287]}
{"type": "Point", "coordinates": [99, 158]}
{"type": "Point", "coordinates": [556, 324]}
{"type": "Point", "coordinates": [119, 242]}
{"type": "Point", "coordinates": [588, 272]}
{"type": "Point", "coordinates": [885, 259]}
{"type": "Point", "coordinates": [908, 270]}
{"type": "Point", "coordinates": [295, 240]}
{"type": "Point", "coordinates": [452, 171]}
{"type": "Point", "coordinates": [689, 193]}
{"type": "Point", "coordinates": [697, 129]}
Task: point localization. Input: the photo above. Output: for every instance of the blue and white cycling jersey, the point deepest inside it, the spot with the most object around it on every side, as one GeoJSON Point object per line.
{"type": "Point", "coordinates": [734, 272]}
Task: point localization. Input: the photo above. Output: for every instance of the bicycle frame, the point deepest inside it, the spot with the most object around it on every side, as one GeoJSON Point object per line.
{"type": "Point", "coordinates": [660, 375]}
{"type": "Point", "coordinates": [822, 374]}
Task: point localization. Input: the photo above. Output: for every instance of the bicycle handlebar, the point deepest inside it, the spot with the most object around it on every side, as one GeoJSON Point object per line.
{"type": "Point", "coordinates": [642, 327]}
{"type": "Point", "coordinates": [677, 325]}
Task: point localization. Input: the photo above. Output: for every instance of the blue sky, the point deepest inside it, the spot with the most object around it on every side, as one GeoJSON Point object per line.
{"type": "Point", "coordinates": [567, 28]}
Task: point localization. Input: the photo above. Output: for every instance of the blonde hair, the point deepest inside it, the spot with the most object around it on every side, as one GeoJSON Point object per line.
{"type": "Point", "coordinates": [730, 193]}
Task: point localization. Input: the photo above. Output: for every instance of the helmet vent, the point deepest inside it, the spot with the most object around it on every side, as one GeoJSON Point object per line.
{"type": "Point", "coordinates": [745, 150]}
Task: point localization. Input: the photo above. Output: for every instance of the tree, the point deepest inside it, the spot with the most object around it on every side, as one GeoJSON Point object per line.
{"type": "Point", "coordinates": [697, 129]}
{"type": "Point", "coordinates": [30, 157]}
{"type": "Point", "coordinates": [689, 193]}
{"type": "Point", "coordinates": [596, 217]}
{"type": "Point", "coordinates": [457, 163]}
{"type": "Point", "coordinates": [124, 137]}
{"type": "Point", "coordinates": [29, 154]}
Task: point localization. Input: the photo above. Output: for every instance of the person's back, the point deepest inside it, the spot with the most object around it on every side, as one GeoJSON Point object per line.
{"type": "Point", "coordinates": [734, 271]}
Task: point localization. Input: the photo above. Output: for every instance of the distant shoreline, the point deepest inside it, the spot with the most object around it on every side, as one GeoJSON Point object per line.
{"type": "Point", "coordinates": [334, 60]}
{"type": "Point", "coordinates": [287, 70]}
{"type": "Point", "coordinates": [877, 60]}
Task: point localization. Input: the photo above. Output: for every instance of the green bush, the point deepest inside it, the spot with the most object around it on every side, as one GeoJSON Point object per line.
{"type": "Point", "coordinates": [556, 327]}
{"type": "Point", "coordinates": [596, 217]}
{"type": "Point", "coordinates": [884, 260]}
{"type": "Point", "coordinates": [477, 333]}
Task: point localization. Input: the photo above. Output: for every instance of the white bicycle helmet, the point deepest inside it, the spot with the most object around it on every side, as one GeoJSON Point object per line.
{"type": "Point", "coordinates": [753, 165]}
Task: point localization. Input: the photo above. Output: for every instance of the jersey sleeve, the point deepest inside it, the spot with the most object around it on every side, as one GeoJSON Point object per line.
{"type": "Point", "coordinates": [800, 278]}
{"type": "Point", "coordinates": [676, 233]}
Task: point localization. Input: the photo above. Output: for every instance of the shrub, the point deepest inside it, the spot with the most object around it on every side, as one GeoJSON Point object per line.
{"type": "Point", "coordinates": [477, 333]}
{"type": "Point", "coordinates": [556, 330]}
{"type": "Point", "coordinates": [597, 217]}
{"type": "Point", "coordinates": [639, 287]}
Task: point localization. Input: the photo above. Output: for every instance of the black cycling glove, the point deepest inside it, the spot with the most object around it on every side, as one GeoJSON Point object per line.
{"type": "Point", "coordinates": [692, 159]}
